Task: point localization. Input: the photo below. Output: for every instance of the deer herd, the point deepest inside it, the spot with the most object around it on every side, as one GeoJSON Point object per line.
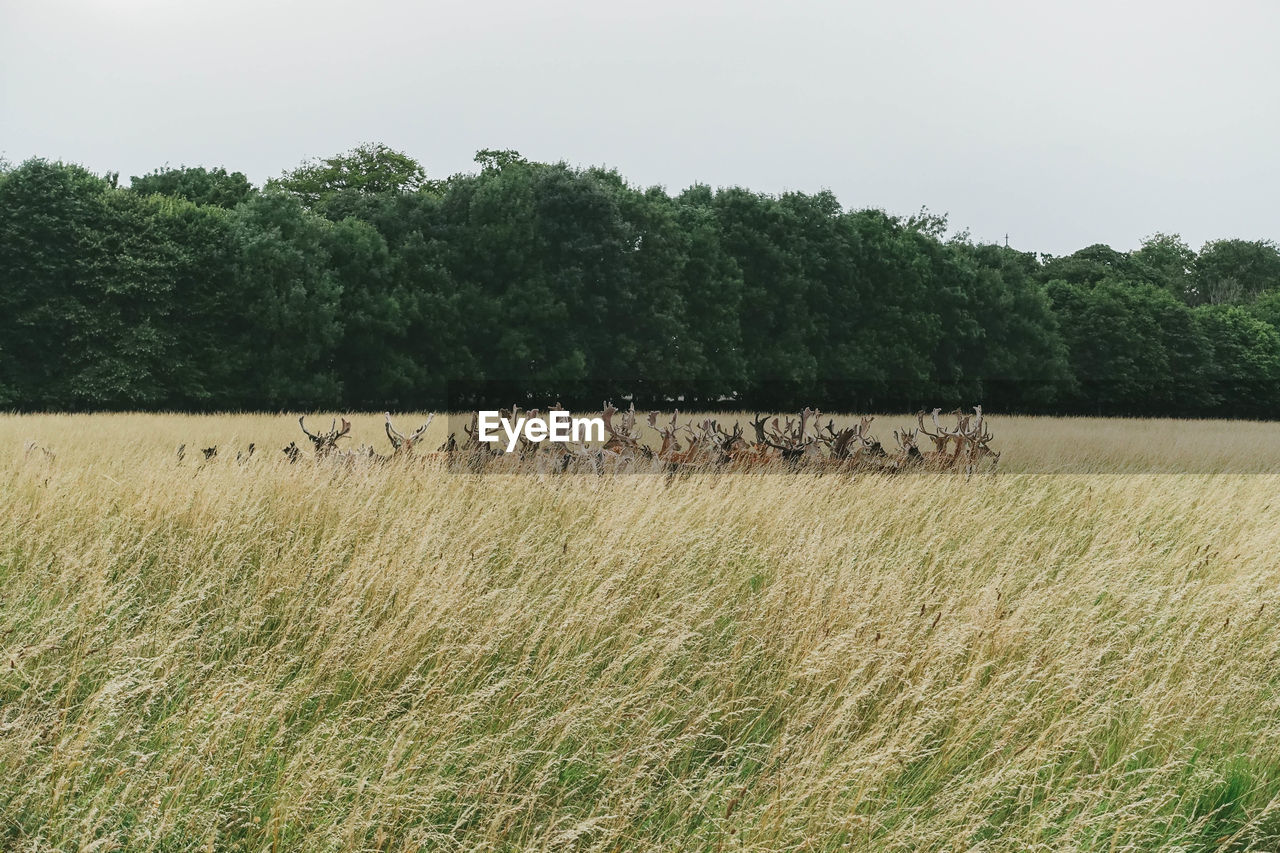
{"type": "Point", "coordinates": [791, 443]}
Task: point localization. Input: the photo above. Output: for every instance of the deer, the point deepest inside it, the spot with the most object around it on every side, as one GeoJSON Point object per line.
{"type": "Point", "coordinates": [792, 442]}
{"type": "Point", "coordinates": [669, 447]}
{"type": "Point", "coordinates": [844, 447]}
{"type": "Point", "coordinates": [326, 443]}
{"type": "Point", "coordinates": [471, 452]}
{"type": "Point", "coordinates": [733, 447]}
{"type": "Point", "coordinates": [910, 455]}
{"type": "Point", "coordinates": [978, 440]}
{"type": "Point", "coordinates": [963, 445]}
{"type": "Point", "coordinates": [941, 438]}
{"type": "Point", "coordinates": [702, 448]}
{"type": "Point", "coordinates": [871, 447]}
{"type": "Point", "coordinates": [762, 451]}
{"type": "Point", "coordinates": [940, 457]}
{"type": "Point", "coordinates": [908, 452]}
{"type": "Point", "coordinates": [799, 440]}
{"type": "Point", "coordinates": [623, 438]}
{"type": "Point", "coordinates": [578, 456]}
{"type": "Point", "coordinates": [401, 444]}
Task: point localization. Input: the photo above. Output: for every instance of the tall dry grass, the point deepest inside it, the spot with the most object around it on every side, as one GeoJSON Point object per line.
{"type": "Point", "coordinates": [264, 656]}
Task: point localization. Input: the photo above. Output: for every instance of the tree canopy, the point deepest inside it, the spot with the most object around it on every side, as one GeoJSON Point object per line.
{"type": "Point", "coordinates": [355, 281]}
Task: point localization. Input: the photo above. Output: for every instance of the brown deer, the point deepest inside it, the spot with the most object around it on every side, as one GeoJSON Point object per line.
{"type": "Point", "coordinates": [326, 443]}
{"type": "Point", "coordinates": [792, 441]}
{"type": "Point", "coordinates": [941, 437]}
{"type": "Point", "coordinates": [908, 455]}
{"type": "Point", "coordinates": [402, 444]}
{"type": "Point", "coordinates": [977, 443]}
{"type": "Point", "coordinates": [623, 438]}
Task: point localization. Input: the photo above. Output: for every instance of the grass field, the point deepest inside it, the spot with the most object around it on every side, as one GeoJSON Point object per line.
{"type": "Point", "coordinates": [1078, 653]}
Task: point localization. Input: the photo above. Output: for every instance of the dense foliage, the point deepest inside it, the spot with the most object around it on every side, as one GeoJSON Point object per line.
{"type": "Point", "coordinates": [357, 282]}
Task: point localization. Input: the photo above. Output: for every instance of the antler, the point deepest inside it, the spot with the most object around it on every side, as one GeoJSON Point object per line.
{"type": "Point", "coordinates": [393, 434]}
{"type": "Point", "coordinates": [621, 436]}
{"type": "Point", "coordinates": [421, 431]}
{"type": "Point", "coordinates": [326, 442]}
{"type": "Point", "coordinates": [398, 440]}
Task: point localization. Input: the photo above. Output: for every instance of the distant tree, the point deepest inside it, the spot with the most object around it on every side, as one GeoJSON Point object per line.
{"type": "Point", "coordinates": [1134, 348]}
{"type": "Point", "coordinates": [355, 281]}
{"type": "Point", "coordinates": [208, 306]}
{"type": "Point", "coordinates": [1090, 265]}
{"type": "Point", "coordinates": [215, 187]}
{"type": "Point", "coordinates": [1245, 376]}
{"type": "Point", "coordinates": [1267, 308]}
{"type": "Point", "coordinates": [891, 314]}
{"type": "Point", "coordinates": [371, 168]}
{"type": "Point", "coordinates": [110, 297]}
{"type": "Point", "coordinates": [490, 158]}
{"type": "Point", "coordinates": [372, 358]}
{"type": "Point", "coordinates": [291, 325]}
{"type": "Point", "coordinates": [1235, 271]}
{"type": "Point", "coordinates": [710, 283]}
{"type": "Point", "coordinates": [1019, 354]}
{"type": "Point", "coordinates": [764, 237]}
{"type": "Point", "coordinates": [1170, 262]}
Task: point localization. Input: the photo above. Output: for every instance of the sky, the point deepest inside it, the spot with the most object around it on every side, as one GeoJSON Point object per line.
{"type": "Point", "coordinates": [1060, 124]}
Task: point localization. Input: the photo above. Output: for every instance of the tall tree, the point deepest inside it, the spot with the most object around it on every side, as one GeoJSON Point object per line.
{"type": "Point", "coordinates": [1235, 271]}
{"type": "Point", "coordinates": [216, 187]}
{"type": "Point", "coordinates": [1245, 375]}
{"type": "Point", "coordinates": [285, 347]}
{"type": "Point", "coordinates": [1170, 262]}
{"type": "Point", "coordinates": [371, 168]}
{"type": "Point", "coordinates": [1134, 348]}
{"type": "Point", "coordinates": [1018, 354]}
{"type": "Point", "coordinates": [88, 291]}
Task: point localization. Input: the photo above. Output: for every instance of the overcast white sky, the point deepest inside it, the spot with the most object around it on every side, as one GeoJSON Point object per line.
{"type": "Point", "coordinates": [1060, 123]}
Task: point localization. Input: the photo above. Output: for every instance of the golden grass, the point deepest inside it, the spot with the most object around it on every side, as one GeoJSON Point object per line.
{"type": "Point", "coordinates": [267, 656]}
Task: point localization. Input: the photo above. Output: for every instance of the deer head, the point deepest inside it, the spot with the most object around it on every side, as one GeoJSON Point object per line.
{"type": "Point", "coordinates": [326, 443]}
{"type": "Point", "coordinates": [907, 446]}
{"type": "Point", "coordinates": [623, 437]}
{"type": "Point", "coordinates": [401, 443]}
{"type": "Point", "coordinates": [939, 436]}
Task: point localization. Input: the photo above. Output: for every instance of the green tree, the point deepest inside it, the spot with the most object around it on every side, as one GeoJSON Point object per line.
{"type": "Point", "coordinates": [215, 187]}
{"type": "Point", "coordinates": [711, 352]}
{"type": "Point", "coordinates": [1245, 375]}
{"type": "Point", "coordinates": [1091, 265]}
{"type": "Point", "coordinates": [1019, 354]}
{"type": "Point", "coordinates": [1134, 348]}
{"type": "Point", "coordinates": [372, 359]}
{"type": "Point", "coordinates": [763, 236]}
{"type": "Point", "coordinates": [88, 302]}
{"type": "Point", "coordinates": [892, 318]}
{"type": "Point", "coordinates": [491, 158]}
{"type": "Point", "coordinates": [1170, 262]}
{"type": "Point", "coordinates": [371, 168]}
{"type": "Point", "coordinates": [1235, 271]}
{"type": "Point", "coordinates": [285, 346]}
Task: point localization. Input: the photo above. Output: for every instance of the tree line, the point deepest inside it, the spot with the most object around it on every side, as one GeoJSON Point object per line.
{"type": "Point", "coordinates": [358, 282]}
